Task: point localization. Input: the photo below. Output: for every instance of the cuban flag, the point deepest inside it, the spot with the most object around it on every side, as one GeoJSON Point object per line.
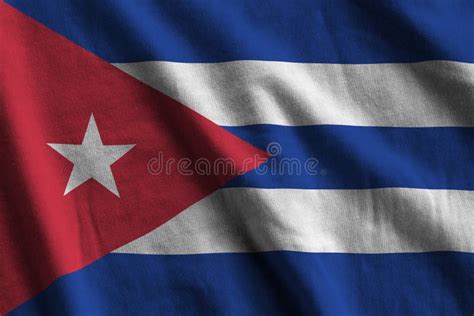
{"type": "Point", "coordinates": [240, 157]}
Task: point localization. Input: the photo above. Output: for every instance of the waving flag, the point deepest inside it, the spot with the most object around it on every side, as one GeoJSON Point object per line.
{"type": "Point", "coordinates": [237, 157]}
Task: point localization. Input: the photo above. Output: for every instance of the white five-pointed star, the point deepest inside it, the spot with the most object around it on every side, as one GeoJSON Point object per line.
{"type": "Point", "coordinates": [92, 159]}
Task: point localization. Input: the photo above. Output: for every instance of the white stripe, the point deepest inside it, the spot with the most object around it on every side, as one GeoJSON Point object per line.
{"type": "Point", "coordinates": [350, 221]}
{"type": "Point", "coordinates": [435, 93]}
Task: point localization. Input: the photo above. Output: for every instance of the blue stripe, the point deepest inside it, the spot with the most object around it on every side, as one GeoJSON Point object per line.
{"type": "Point", "coordinates": [274, 283]}
{"type": "Point", "coordinates": [351, 157]}
{"type": "Point", "coordinates": [323, 31]}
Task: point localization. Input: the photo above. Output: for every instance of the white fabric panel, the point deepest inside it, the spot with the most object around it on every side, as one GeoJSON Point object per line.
{"type": "Point", "coordinates": [353, 221]}
{"type": "Point", "coordinates": [434, 93]}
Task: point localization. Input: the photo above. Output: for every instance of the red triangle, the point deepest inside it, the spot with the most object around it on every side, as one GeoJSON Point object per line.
{"type": "Point", "coordinates": [48, 89]}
